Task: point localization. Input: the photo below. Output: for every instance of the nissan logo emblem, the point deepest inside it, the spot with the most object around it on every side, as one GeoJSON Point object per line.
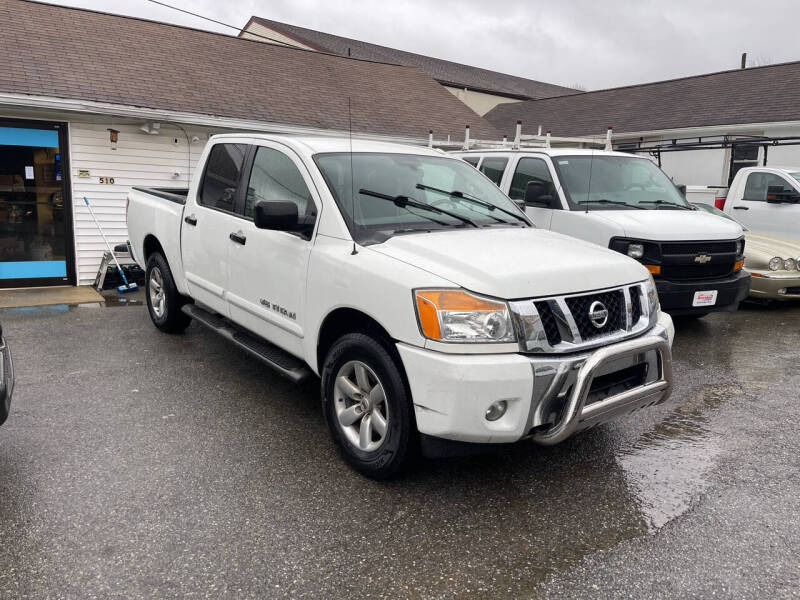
{"type": "Point", "coordinates": [598, 314]}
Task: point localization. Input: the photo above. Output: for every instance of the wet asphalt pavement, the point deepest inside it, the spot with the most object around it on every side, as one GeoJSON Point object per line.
{"type": "Point", "coordinates": [136, 464]}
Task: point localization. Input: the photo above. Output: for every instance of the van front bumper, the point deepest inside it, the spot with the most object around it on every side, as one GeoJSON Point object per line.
{"type": "Point", "coordinates": [548, 397]}
{"type": "Point", "coordinates": [676, 297]}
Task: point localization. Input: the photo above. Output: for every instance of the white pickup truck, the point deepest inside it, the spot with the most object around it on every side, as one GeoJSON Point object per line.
{"type": "Point", "coordinates": [420, 294]}
{"type": "Point", "coordinates": [626, 203]}
{"type": "Point", "coordinates": [766, 200]}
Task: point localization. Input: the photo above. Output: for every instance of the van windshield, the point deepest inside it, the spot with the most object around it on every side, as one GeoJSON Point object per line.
{"type": "Point", "coordinates": [616, 183]}
{"type": "Point", "coordinates": [406, 193]}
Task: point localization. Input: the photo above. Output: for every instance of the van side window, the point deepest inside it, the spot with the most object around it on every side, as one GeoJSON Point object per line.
{"type": "Point", "coordinates": [221, 178]}
{"type": "Point", "coordinates": [275, 177]}
{"type": "Point", "coordinates": [473, 160]}
{"type": "Point", "coordinates": [755, 189]}
{"type": "Point", "coordinates": [530, 169]}
{"type": "Point", "coordinates": [493, 167]}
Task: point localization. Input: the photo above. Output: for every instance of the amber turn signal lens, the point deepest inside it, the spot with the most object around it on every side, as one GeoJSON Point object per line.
{"type": "Point", "coordinates": [738, 265]}
{"type": "Point", "coordinates": [654, 269]}
{"type": "Point", "coordinates": [428, 318]}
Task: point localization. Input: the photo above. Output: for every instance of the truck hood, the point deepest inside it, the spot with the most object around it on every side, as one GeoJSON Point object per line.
{"type": "Point", "coordinates": [514, 263]}
{"type": "Point", "coordinates": [671, 225]}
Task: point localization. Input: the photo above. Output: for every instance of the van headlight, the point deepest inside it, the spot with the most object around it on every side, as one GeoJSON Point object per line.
{"type": "Point", "coordinates": [652, 295]}
{"type": "Point", "coordinates": [458, 316]}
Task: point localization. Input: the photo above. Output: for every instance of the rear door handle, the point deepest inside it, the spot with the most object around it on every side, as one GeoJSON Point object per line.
{"type": "Point", "coordinates": [238, 237]}
{"type": "Point", "coordinates": [190, 220]}
{"type": "Point", "coordinates": [741, 208]}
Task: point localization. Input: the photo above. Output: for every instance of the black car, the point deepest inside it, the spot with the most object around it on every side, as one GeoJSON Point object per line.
{"type": "Point", "coordinates": [6, 378]}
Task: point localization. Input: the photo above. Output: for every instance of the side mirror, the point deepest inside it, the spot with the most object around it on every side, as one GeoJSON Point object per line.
{"type": "Point", "coordinates": [536, 195]}
{"type": "Point", "coordinates": [278, 216]}
{"type": "Point", "coordinates": [520, 204]}
{"type": "Point", "coordinates": [681, 189]}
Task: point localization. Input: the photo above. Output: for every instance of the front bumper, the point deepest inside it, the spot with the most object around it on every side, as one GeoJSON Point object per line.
{"type": "Point", "coordinates": [676, 296]}
{"type": "Point", "coordinates": [6, 380]}
{"type": "Point", "coordinates": [767, 285]}
{"type": "Point", "coordinates": [548, 397]}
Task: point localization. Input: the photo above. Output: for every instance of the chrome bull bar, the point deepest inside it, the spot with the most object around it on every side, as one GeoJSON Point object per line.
{"type": "Point", "coordinates": [575, 410]}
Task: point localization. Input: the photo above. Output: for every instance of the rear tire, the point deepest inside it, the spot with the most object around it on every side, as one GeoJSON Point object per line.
{"type": "Point", "coordinates": [164, 302]}
{"type": "Point", "coordinates": [367, 406]}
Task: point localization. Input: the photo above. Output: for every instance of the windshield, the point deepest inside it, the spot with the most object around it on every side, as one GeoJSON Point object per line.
{"type": "Point", "coordinates": [405, 193]}
{"type": "Point", "coordinates": [616, 183]}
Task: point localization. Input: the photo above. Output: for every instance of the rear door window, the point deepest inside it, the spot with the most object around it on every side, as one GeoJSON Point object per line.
{"type": "Point", "coordinates": [221, 179]}
{"type": "Point", "coordinates": [473, 160]}
{"type": "Point", "coordinates": [494, 167]}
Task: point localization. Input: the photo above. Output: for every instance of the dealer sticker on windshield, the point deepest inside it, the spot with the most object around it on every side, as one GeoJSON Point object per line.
{"type": "Point", "coordinates": [705, 298]}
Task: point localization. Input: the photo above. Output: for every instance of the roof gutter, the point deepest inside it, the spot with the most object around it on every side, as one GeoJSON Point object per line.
{"type": "Point", "coordinates": [168, 116]}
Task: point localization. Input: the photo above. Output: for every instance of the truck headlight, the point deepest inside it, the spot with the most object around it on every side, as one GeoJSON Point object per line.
{"type": "Point", "coordinates": [458, 316]}
{"type": "Point", "coordinates": [636, 251]}
{"type": "Point", "coordinates": [652, 295]}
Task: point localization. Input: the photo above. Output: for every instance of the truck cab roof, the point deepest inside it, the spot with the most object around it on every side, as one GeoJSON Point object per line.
{"type": "Point", "coordinates": [321, 144]}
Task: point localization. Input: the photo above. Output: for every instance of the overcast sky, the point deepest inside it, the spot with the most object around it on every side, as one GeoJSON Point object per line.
{"type": "Point", "coordinates": [591, 43]}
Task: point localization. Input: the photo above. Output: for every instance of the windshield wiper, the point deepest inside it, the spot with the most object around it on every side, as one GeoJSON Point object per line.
{"type": "Point", "coordinates": [469, 198]}
{"type": "Point", "coordinates": [405, 202]}
{"type": "Point", "coordinates": [665, 203]}
{"type": "Point", "coordinates": [607, 201]}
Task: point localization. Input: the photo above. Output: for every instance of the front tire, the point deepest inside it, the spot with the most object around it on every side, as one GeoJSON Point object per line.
{"type": "Point", "coordinates": [164, 302]}
{"type": "Point", "coordinates": [367, 406]}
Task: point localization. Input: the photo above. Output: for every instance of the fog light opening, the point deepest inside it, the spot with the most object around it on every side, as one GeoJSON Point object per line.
{"type": "Point", "coordinates": [496, 410]}
{"type": "Point", "coordinates": [782, 291]}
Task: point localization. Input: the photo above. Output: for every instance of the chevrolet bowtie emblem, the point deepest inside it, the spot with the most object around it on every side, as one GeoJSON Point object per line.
{"type": "Point", "coordinates": [702, 259]}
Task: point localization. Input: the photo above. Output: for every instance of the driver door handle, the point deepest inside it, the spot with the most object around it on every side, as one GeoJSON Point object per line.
{"type": "Point", "coordinates": [238, 237]}
{"type": "Point", "coordinates": [741, 208]}
{"type": "Point", "coordinates": [190, 220]}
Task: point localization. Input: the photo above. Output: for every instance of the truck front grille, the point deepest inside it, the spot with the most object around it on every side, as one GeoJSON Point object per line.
{"type": "Point", "coordinates": [574, 322]}
{"type": "Point", "coordinates": [614, 303]}
{"type": "Point", "coordinates": [549, 322]}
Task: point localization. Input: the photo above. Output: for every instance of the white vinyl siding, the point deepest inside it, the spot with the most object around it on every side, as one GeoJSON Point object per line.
{"type": "Point", "coordinates": [140, 159]}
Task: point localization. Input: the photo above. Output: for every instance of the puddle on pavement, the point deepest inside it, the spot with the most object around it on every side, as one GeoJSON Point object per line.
{"type": "Point", "coordinates": [115, 301]}
{"type": "Point", "coordinates": [668, 468]}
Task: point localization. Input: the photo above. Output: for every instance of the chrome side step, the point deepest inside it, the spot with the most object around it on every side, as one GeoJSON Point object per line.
{"type": "Point", "coordinates": [284, 363]}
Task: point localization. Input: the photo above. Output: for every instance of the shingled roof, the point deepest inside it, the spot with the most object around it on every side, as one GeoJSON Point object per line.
{"type": "Point", "coordinates": [754, 95]}
{"type": "Point", "coordinates": [55, 51]}
{"type": "Point", "coordinates": [444, 71]}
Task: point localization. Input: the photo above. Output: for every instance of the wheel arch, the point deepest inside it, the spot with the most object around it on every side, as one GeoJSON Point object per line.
{"type": "Point", "coordinates": [151, 245]}
{"type": "Point", "coordinates": [343, 320]}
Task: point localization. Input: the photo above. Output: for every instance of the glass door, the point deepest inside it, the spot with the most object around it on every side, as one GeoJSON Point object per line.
{"type": "Point", "coordinates": [35, 220]}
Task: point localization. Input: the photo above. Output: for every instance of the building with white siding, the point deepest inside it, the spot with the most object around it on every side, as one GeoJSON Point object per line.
{"type": "Point", "coordinates": [92, 104]}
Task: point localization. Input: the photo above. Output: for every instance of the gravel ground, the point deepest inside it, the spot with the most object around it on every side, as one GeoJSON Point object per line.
{"type": "Point", "coordinates": [136, 464]}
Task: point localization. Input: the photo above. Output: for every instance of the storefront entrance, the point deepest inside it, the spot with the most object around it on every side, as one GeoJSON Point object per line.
{"type": "Point", "coordinates": [35, 211]}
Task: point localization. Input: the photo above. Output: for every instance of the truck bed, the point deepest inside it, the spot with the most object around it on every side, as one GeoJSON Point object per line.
{"type": "Point", "coordinates": [177, 195]}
